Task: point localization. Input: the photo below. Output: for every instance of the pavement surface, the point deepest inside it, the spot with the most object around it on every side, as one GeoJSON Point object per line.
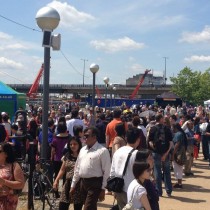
{"type": "Point", "coordinates": [195, 194]}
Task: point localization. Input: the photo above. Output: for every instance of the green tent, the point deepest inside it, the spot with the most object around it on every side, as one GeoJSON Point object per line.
{"type": "Point", "coordinates": [11, 100]}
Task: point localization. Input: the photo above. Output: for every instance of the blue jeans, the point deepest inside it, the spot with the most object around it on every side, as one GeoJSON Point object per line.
{"type": "Point", "coordinates": [165, 166]}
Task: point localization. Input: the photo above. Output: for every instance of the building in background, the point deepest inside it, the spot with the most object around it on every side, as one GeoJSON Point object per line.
{"type": "Point", "coordinates": [150, 80]}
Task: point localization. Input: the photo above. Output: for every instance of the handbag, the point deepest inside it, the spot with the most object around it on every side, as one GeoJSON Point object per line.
{"type": "Point", "coordinates": [180, 156]}
{"type": "Point", "coordinates": [115, 184]}
{"type": "Point", "coordinates": [114, 206]}
{"type": "Point", "coordinates": [129, 205]}
{"type": "Point", "coordinates": [197, 137]}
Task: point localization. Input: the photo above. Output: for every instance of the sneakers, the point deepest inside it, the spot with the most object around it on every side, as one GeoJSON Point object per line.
{"type": "Point", "coordinates": [178, 186]}
{"type": "Point", "coordinates": [168, 195]}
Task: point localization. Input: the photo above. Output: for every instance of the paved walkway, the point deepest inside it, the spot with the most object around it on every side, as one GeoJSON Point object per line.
{"type": "Point", "coordinates": [195, 194]}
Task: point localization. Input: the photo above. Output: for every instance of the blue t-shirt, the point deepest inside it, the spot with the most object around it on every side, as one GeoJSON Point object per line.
{"type": "Point", "coordinates": [50, 136]}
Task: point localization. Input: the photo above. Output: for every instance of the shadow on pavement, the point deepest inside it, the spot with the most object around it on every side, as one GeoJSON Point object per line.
{"type": "Point", "coordinates": [187, 200]}
{"type": "Point", "coordinates": [192, 188]}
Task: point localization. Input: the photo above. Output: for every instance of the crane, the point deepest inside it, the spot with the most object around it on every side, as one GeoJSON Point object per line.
{"type": "Point", "coordinates": [139, 84]}
{"type": "Point", "coordinates": [98, 92]}
{"type": "Point", "coordinates": [34, 88]}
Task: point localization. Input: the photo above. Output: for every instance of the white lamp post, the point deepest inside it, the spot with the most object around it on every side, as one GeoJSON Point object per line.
{"type": "Point", "coordinates": [106, 81]}
{"type": "Point", "coordinates": [114, 88]}
{"type": "Point", "coordinates": [111, 88]}
{"type": "Point", "coordinates": [47, 19]}
{"type": "Point", "coordinates": [94, 69]}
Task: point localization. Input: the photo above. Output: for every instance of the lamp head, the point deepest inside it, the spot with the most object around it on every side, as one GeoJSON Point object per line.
{"type": "Point", "coordinates": [94, 68]}
{"type": "Point", "coordinates": [47, 18]}
{"type": "Point", "coordinates": [106, 80]}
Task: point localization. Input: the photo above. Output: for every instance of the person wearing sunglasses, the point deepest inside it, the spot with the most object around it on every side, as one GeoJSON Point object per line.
{"type": "Point", "coordinates": [137, 193]}
{"type": "Point", "coordinates": [11, 178]}
{"type": "Point", "coordinates": [92, 169]}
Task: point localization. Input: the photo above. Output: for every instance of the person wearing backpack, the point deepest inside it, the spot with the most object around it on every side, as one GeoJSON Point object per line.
{"type": "Point", "coordinates": [160, 142]}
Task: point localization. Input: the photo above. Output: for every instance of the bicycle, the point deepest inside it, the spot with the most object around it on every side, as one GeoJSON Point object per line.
{"type": "Point", "coordinates": [42, 187]}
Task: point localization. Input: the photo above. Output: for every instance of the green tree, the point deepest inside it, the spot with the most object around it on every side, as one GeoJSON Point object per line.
{"type": "Point", "coordinates": [193, 87]}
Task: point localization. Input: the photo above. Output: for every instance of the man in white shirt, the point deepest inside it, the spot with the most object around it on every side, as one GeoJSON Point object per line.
{"type": "Point", "coordinates": [119, 160]}
{"type": "Point", "coordinates": [92, 168]}
{"type": "Point", "coordinates": [74, 121]}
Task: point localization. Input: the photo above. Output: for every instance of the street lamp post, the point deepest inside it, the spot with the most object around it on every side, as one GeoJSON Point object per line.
{"type": "Point", "coordinates": [83, 75]}
{"type": "Point", "coordinates": [106, 81]}
{"type": "Point", "coordinates": [47, 19]}
{"type": "Point", "coordinates": [165, 77]}
{"type": "Point", "coordinates": [111, 88]}
{"type": "Point", "coordinates": [114, 89]}
{"type": "Point", "coordinates": [94, 69]}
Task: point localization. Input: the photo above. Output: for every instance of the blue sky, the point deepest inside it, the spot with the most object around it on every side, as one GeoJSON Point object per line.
{"type": "Point", "coordinates": [124, 37]}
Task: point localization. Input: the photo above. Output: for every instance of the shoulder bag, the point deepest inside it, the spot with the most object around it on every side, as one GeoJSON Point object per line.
{"type": "Point", "coordinates": [115, 184]}
{"type": "Point", "coordinates": [129, 205]}
{"type": "Point", "coordinates": [180, 156]}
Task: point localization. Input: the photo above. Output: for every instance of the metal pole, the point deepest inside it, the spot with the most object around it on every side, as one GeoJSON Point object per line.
{"type": "Point", "coordinates": [111, 97]}
{"type": "Point", "coordinates": [105, 97]}
{"type": "Point", "coordinates": [83, 76]}
{"type": "Point", "coordinates": [165, 78]}
{"type": "Point", "coordinates": [44, 145]}
{"type": "Point", "coordinates": [93, 94]}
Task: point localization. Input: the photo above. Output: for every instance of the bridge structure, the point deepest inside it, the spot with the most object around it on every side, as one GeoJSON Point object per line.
{"type": "Point", "coordinates": [146, 92]}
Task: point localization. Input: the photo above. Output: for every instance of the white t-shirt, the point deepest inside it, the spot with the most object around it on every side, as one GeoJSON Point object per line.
{"type": "Point", "coordinates": [139, 190]}
{"type": "Point", "coordinates": [71, 123]}
{"type": "Point", "coordinates": [118, 164]}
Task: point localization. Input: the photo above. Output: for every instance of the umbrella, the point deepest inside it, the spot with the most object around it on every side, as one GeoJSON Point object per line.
{"type": "Point", "coordinates": [147, 113]}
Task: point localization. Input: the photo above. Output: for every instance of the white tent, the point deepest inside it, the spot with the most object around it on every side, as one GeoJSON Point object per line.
{"type": "Point", "coordinates": [207, 102]}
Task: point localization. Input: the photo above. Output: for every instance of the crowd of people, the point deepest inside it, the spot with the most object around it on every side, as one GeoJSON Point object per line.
{"type": "Point", "coordinates": [87, 146]}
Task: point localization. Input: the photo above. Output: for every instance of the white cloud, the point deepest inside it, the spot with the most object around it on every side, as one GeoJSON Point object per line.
{"type": "Point", "coordinates": [195, 37]}
{"type": "Point", "coordinates": [70, 16]}
{"type": "Point", "coordinates": [16, 46]}
{"type": "Point", "coordinates": [197, 58]}
{"type": "Point", "coordinates": [137, 68]}
{"type": "Point", "coordinates": [7, 63]}
{"type": "Point", "coordinates": [5, 36]}
{"type": "Point", "coordinates": [111, 45]}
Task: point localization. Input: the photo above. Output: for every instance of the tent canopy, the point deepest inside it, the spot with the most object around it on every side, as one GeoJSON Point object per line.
{"type": "Point", "coordinates": [207, 102]}
{"type": "Point", "coordinates": [168, 98]}
{"type": "Point", "coordinates": [10, 100]}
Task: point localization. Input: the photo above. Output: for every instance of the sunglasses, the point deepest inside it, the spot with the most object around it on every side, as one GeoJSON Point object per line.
{"type": "Point", "coordinates": [87, 135]}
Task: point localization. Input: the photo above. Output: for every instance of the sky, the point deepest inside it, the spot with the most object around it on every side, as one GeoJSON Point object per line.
{"type": "Point", "coordinates": [124, 37]}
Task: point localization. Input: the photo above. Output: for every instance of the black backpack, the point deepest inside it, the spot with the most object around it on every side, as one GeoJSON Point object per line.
{"type": "Point", "coordinates": [160, 143]}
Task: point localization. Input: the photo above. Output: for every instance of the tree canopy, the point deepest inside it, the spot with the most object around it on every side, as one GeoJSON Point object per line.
{"type": "Point", "coordinates": [192, 86]}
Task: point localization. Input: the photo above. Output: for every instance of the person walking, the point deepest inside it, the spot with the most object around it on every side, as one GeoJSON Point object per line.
{"type": "Point", "coordinates": [180, 141]}
{"type": "Point", "coordinates": [160, 142]}
{"type": "Point", "coordinates": [74, 121]}
{"type": "Point", "coordinates": [119, 161]}
{"type": "Point", "coordinates": [67, 168]}
{"type": "Point", "coordinates": [136, 190]}
{"type": "Point", "coordinates": [145, 155]}
{"type": "Point", "coordinates": [190, 149]}
{"type": "Point", "coordinates": [110, 129]}
{"type": "Point", "coordinates": [92, 169]}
